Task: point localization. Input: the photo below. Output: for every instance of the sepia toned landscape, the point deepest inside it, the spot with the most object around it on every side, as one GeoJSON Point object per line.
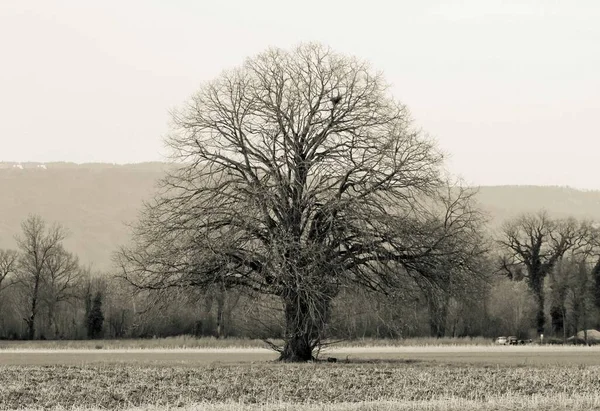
{"type": "Point", "coordinates": [299, 206]}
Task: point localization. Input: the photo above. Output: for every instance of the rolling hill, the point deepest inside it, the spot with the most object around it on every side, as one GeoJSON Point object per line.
{"type": "Point", "coordinates": [95, 201]}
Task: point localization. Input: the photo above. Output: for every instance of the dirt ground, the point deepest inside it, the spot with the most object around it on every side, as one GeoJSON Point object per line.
{"type": "Point", "coordinates": [529, 355]}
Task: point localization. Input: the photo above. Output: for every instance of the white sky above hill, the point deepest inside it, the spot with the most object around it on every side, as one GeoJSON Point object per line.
{"type": "Point", "coordinates": [510, 89]}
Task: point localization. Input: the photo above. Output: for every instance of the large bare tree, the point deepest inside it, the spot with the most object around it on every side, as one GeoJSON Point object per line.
{"type": "Point", "coordinates": [298, 174]}
{"type": "Point", "coordinates": [39, 246]}
{"type": "Point", "coordinates": [533, 244]}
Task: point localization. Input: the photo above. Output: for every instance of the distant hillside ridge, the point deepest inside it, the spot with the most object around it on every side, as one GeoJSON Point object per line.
{"type": "Point", "coordinates": [96, 201]}
{"type": "Point", "coordinates": [93, 201]}
{"type": "Point", "coordinates": [504, 202]}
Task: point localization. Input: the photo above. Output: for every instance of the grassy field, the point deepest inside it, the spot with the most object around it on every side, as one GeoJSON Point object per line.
{"type": "Point", "coordinates": [194, 357]}
{"type": "Point", "coordinates": [208, 342]}
{"type": "Point", "coordinates": [554, 403]}
{"type": "Point", "coordinates": [360, 385]}
{"type": "Point", "coordinates": [237, 377]}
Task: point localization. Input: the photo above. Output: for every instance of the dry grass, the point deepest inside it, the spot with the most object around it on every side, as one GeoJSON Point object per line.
{"type": "Point", "coordinates": [358, 386]}
{"type": "Point", "coordinates": [183, 341]}
{"type": "Point", "coordinates": [418, 342]}
{"type": "Point", "coordinates": [538, 403]}
{"type": "Point", "coordinates": [180, 372]}
{"type": "Point", "coordinates": [190, 342]}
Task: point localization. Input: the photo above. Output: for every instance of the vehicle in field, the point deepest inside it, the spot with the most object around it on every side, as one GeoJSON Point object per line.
{"type": "Point", "coordinates": [501, 340]}
{"type": "Point", "coordinates": [512, 340]}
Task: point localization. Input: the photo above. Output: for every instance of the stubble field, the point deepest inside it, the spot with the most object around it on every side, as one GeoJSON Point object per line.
{"type": "Point", "coordinates": [371, 378]}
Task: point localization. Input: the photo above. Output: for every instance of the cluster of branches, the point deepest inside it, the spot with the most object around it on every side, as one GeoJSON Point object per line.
{"type": "Point", "coordinates": [299, 175]}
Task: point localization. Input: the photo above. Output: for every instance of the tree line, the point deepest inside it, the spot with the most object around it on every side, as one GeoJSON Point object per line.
{"type": "Point", "coordinates": [45, 293]}
{"type": "Point", "coordinates": [41, 284]}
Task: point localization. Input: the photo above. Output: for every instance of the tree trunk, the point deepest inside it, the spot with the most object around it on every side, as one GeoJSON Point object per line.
{"type": "Point", "coordinates": [537, 286]}
{"type": "Point", "coordinates": [297, 348]}
{"type": "Point", "coordinates": [564, 327]}
{"type": "Point", "coordinates": [438, 314]}
{"type": "Point", "coordinates": [231, 303]}
{"type": "Point", "coordinates": [220, 317]}
{"type": "Point", "coordinates": [557, 316]}
{"type": "Point", "coordinates": [30, 327]}
{"type": "Point", "coordinates": [206, 316]}
{"type": "Point", "coordinates": [540, 318]}
{"type": "Point", "coordinates": [305, 319]}
{"type": "Point", "coordinates": [31, 320]}
{"type": "Point", "coordinates": [576, 317]}
{"type": "Point", "coordinates": [50, 328]}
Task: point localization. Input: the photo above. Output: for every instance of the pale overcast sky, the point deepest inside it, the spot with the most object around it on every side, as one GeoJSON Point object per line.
{"type": "Point", "coordinates": [510, 89]}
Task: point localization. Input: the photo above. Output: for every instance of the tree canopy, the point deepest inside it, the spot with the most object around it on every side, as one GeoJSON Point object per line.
{"type": "Point", "coordinates": [534, 243]}
{"type": "Point", "coordinates": [297, 175]}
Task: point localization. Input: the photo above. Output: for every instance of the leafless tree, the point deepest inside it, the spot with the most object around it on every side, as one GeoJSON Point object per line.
{"type": "Point", "coordinates": [533, 244]}
{"type": "Point", "coordinates": [299, 175]}
{"type": "Point", "coordinates": [39, 247]}
{"type": "Point", "coordinates": [62, 282]}
{"type": "Point", "coordinates": [465, 278]}
{"type": "Point", "coordinates": [8, 267]}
